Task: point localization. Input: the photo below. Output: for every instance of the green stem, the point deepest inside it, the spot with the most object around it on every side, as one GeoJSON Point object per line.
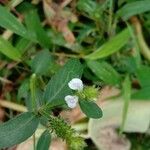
{"type": "Point", "coordinates": [32, 89]}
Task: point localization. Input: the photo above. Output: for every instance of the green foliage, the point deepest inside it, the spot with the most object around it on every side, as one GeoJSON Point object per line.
{"type": "Point", "coordinates": [9, 21]}
{"type": "Point", "coordinates": [57, 88]}
{"type": "Point", "coordinates": [126, 97]}
{"type": "Point", "coordinates": [41, 62]}
{"type": "Point", "coordinates": [134, 8]}
{"type": "Point", "coordinates": [112, 46]}
{"type": "Point", "coordinates": [35, 28]}
{"type": "Point", "coordinates": [104, 72]}
{"type": "Point", "coordinates": [143, 74]}
{"type": "Point", "coordinates": [7, 49]}
{"type": "Point", "coordinates": [18, 129]}
{"type": "Point", "coordinates": [90, 109]}
{"type": "Point", "coordinates": [44, 141]}
{"type": "Point", "coordinates": [142, 94]}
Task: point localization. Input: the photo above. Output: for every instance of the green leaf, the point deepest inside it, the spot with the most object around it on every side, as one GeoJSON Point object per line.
{"type": "Point", "coordinates": [105, 72]}
{"type": "Point", "coordinates": [41, 62]}
{"type": "Point", "coordinates": [112, 46]}
{"type": "Point", "coordinates": [90, 109]}
{"type": "Point", "coordinates": [44, 141]}
{"type": "Point", "coordinates": [126, 97]}
{"type": "Point", "coordinates": [143, 94]}
{"type": "Point", "coordinates": [7, 49]}
{"type": "Point", "coordinates": [57, 87]}
{"type": "Point", "coordinates": [134, 8]}
{"type": "Point", "coordinates": [23, 45]}
{"type": "Point", "coordinates": [17, 129]}
{"type": "Point", "coordinates": [9, 21]}
{"type": "Point", "coordinates": [143, 75]}
{"type": "Point", "coordinates": [34, 26]}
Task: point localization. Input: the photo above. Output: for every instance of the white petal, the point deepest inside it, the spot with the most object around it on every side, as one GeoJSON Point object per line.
{"type": "Point", "coordinates": [76, 84]}
{"type": "Point", "coordinates": [71, 100]}
{"type": "Point", "coordinates": [72, 105]}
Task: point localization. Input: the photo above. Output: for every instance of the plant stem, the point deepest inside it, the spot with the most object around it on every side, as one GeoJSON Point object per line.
{"type": "Point", "coordinates": [32, 89]}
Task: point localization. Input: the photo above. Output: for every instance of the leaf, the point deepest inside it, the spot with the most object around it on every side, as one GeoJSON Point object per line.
{"type": "Point", "coordinates": [41, 62]}
{"type": "Point", "coordinates": [126, 97]}
{"type": "Point", "coordinates": [23, 45]}
{"type": "Point", "coordinates": [7, 49]}
{"type": "Point", "coordinates": [90, 109]}
{"type": "Point", "coordinates": [143, 93]}
{"type": "Point", "coordinates": [44, 141]}
{"type": "Point", "coordinates": [112, 46]}
{"type": "Point", "coordinates": [143, 74]}
{"type": "Point", "coordinates": [34, 26]}
{"type": "Point", "coordinates": [105, 72]}
{"type": "Point", "coordinates": [134, 8]}
{"type": "Point", "coordinates": [9, 21]}
{"type": "Point", "coordinates": [17, 129]}
{"type": "Point", "coordinates": [57, 87]}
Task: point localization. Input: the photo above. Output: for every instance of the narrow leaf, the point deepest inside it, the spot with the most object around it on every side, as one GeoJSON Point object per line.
{"type": "Point", "coordinates": [105, 72]}
{"type": "Point", "coordinates": [90, 109]}
{"type": "Point", "coordinates": [34, 26]}
{"type": "Point", "coordinates": [44, 141]}
{"type": "Point", "coordinates": [17, 129]}
{"type": "Point", "coordinates": [112, 46]}
{"type": "Point", "coordinates": [134, 8]}
{"type": "Point", "coordinates": [126, 98]}
{"type": "Point", "coordinates": [7, 49]}
{"type": "Point", "coordinates": [9, 21]}
{"type": "Point", "coordinates": [57, 87]}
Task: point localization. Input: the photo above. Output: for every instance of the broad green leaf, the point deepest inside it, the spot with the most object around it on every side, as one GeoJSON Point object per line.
{"type": "Point", "coordinates": [17, 129]}
{"type": "Point", "coordinates": [134, 8]}
{"type": "Point", "coordinates": [44, 141]}
{"type": "Point", "coordinates": [112, 46]}
{"type": "Point", "coordinates": [57, 87]}
{"type": "Point", "coordinates": [90, 109]}
{"type": "Point", "coordinates": [41, 62]}
{"type": "Point", "coordinates": [34, 26]}
{"type": "Point", "coordinates": [143, 75]}
{"type": "Point", "coordinates": [7, 49]}
{"type": "Point", "coordinates": [9, 21]}
{"type": "Point", "coordinates": [104, 71]}
{"type": "Point", "coordinates": [126, 97]}
{"type": "Point", "coordinates": [143, 93]}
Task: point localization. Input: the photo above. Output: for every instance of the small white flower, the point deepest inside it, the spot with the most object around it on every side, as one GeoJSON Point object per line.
{"type": "Point", "coordinates": [71, 101]}
{"type": "Point", "coordinates": [76, 84]}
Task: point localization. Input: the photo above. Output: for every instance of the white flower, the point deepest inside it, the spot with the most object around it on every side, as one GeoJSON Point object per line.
{"type": "Point", "coordinates": [76, 84]}
{"type": "Point", "coordinates": [71, 101]}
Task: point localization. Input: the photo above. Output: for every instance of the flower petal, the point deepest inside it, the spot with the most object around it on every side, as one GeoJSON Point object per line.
{"type": "Point", "coordinates": [71, 100]}
{"type": "Point", "coordinates": [76, 84]}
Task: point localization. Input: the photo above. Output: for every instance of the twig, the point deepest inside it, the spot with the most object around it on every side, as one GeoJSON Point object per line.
{"type": "Point", "coordinates": [13, 106]}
